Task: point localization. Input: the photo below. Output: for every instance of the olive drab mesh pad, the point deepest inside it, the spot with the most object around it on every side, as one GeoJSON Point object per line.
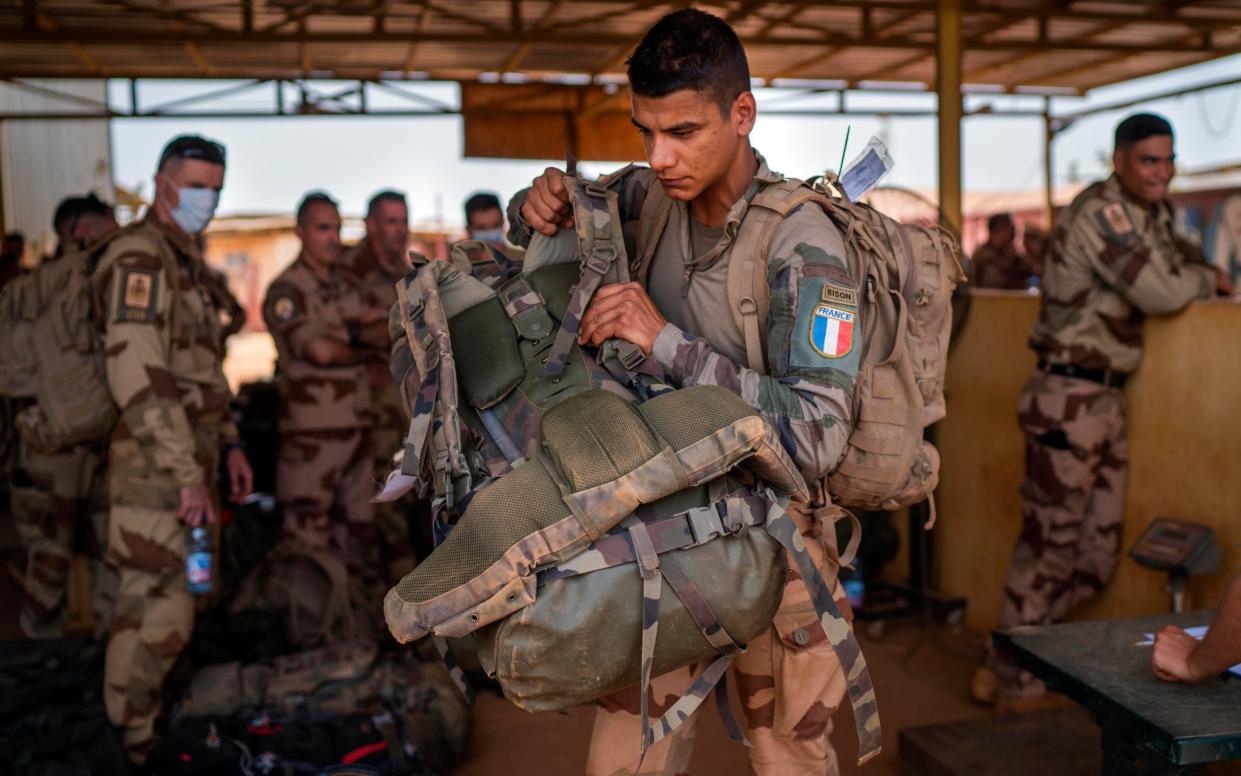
{"type": "Point", "coordinates": [578, 483]}
{"type": "Point", "coordinates": [909, 274]}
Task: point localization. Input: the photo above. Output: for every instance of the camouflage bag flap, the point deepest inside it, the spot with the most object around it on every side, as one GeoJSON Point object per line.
{"type": "Point", "coordinates": [18, 307]}
{"type": "Point", "coordinates": [601, 458]}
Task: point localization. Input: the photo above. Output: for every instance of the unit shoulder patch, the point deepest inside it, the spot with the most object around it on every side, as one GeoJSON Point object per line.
{"type": "Point", "coordinates": [283, 308]}
{"type": "Point", "coordinates": [1117, 220]}
{"type": "Point", "coordinates": [838, 293]}
{"type": "Point", "coordinates": [139, 295]}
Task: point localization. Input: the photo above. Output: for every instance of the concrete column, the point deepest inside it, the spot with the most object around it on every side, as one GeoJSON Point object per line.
{"type": "Point", "coordinates": [948, 89]}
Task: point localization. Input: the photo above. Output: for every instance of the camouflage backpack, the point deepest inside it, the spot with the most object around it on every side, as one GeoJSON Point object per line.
{"type": "Point", "coordinates": [74, 405]}
{"type": "Point", "coordinates": [909, 274]}
{"type": "Point", "coordinates": [579, 483]}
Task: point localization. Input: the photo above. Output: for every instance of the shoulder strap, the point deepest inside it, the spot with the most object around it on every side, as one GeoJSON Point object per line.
{"type": "Point", "coordinates": [749, 296]}
{"type": "Point", "coordinates": [652, 220]}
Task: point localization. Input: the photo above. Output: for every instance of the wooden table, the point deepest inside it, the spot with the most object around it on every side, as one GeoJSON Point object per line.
{"type": "Point", "coordinates": [1149, 726]}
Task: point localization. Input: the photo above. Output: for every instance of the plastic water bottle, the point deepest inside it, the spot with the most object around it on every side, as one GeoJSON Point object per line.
{"type": "Point", "coordinates": [198, 562]}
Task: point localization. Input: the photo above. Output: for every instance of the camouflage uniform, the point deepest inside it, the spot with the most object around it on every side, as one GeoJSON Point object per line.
{"type": "Point", "coordinates": [324, 473]}
{"type": "Point", "coordinates": [385, 418]}
{"type": "Point", "coordinates": [789, 680]}
{"type": "Point", "coordinates": [59, 500]}
{"type": "Point", "coordinates": [1002, 268]}
{"type": "Point", "coordinates": [233, 318]}
{"type": "Point", "coordinates": [164, 369]}
{"type": "Point", "coordinates": [1112, 262]}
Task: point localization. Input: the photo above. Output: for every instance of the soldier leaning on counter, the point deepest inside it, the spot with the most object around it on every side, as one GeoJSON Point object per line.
{"type": "Point", "coordinates": [1114, 260]}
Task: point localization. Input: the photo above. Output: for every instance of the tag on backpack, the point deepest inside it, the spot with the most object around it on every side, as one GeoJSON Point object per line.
{"type": "Point", "coordinates": [866, 170]}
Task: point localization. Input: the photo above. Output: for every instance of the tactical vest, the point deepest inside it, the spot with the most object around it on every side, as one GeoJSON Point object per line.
{"type": "Point", "coordinates": [579, 483]}
{"type": "Point", "coordinates": [907, 276]}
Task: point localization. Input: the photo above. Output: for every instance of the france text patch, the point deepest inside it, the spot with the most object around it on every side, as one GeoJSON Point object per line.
{"type": "Point", "coordinates": [831, 331]}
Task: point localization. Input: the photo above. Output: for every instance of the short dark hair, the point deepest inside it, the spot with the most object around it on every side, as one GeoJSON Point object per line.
{"type": "Point", "coordinates": [1136, 128]}
{"type": "Point", "coordinates": [73, 208]}
{"type": "Point", "coordinates": [312, 198]}
{"type": "Point", "coordinates": [192, 147]}
{"type": "Point", "coordinates": [480, 201]}
{"type": "Point", "coordinates": [387, 195]}
{"type": "Point", "coordinates": [999, 220]}
{"type": "Point", "coordinates": [690, 49]}
{"type": "Point", "coordinates": [16, 237]}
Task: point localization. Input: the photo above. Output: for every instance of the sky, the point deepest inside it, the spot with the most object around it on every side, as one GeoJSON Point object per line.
{"type": "Point", "coordinates": [273, 162]}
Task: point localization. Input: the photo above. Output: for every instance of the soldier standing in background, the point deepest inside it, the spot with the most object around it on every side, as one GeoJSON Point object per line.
{"type": "Point", "coordinates": [325, 339]}
{"type": "Point", "coordinates": [996, 264]}
{"type": "Point", "coordinates": [378, 262]}
{"type": "Point", "coordinates": [165, 371]}
{"type": "Point", "coordinates": [1114, 260]}
{"type": "Point", "coordinates": [58, 496]}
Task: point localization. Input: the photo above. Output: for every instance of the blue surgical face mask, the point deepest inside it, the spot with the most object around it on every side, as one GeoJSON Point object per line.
{"type": "Point", "coordinates": [494, 236]}
{"type": "Point", "coordinates": [195, 209]}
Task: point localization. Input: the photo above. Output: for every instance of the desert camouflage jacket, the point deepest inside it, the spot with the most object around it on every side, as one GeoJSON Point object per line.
{"type": "Point", "coordinates": [164, 351]}
{"type": "Point", "coordinates": [300, 308]}
{"type": "Point", "coordinates": [1112, 262]}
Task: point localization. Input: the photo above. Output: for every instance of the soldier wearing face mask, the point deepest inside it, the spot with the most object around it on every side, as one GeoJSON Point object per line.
{"type": "Point", "coordinates": [164, 370]}
{"type": "Point", "coordinates": [484, 221]}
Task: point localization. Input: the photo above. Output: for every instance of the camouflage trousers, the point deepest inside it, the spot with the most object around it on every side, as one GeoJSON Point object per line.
{"type": "Point", "coordinates": [391, 518]}
{"type": "Point", "coordinates": [1073, 499]}
{"type": "Point", "coordinates": [788, 679]}
{"type": "Point", "coordinates": [154, 611]}
{"type": "Point", "coordinates": [59, 503]}
{"type": "Point", "coordinates": [324, 480]}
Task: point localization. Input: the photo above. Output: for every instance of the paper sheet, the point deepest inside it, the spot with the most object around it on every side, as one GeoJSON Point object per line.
{"type": "Point", "coordinates": [1198, 631]}
{"type": "Point", "coordinates": [866, 169]}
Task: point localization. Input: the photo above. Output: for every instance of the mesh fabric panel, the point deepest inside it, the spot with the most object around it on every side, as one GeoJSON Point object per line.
{"type": "Point", "coordinates": [510, 509]}
{"type": "Point", "coordinates": [484, 346]}
{"type": "Point", "coordinates": [690, 414]}
{"type": "Point", "coordinates": [596, 437]}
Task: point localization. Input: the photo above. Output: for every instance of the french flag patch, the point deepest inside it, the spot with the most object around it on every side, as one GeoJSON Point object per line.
{"type": "Point", "coordinates": [831, 331]}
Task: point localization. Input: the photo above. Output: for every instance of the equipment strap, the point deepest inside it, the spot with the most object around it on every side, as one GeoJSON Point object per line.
{"type": "Point", "coordinates": [839, 633]}
{"type": "Point", "coordinates": [525, 308]}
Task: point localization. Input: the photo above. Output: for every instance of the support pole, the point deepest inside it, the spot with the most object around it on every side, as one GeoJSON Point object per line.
{"type": "Point", "coordinates": [3, 224]}
{"type": "Point", "coordinates": [1049, 183]}
{"type": "Point", "coordinates": [948, 90]}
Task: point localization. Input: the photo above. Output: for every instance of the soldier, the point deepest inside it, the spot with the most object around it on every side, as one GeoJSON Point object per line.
{"type": "Point", "coordinates": [11, 251]}
{"type": "Point", "coordinates": [692, 104]}
{"type": "Point", "coordinates": [164, 369]}
{"type": "Point", "coordinates": [377, 263]}
{"type": "Point", "coordinates": [60, 496]}
{"type": "Point", "coordinates": [325, 340]}
{"type": "Point", "coordinates": [1113, 260]}
{"type": "Point", "coordinates": [996, 264]}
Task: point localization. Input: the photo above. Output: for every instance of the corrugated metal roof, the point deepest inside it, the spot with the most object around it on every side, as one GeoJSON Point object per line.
{"type": "Point", "coordinates": [1009, 43]}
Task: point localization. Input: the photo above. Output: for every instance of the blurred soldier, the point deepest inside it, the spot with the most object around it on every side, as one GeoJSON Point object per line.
{"type": "Point", "coordinates": [1114, 260]}
{"type": "Point", "coordinates": [61, 496]}
{"type": "Point", "coordinates": [996, 264]}
{"type": "Point", "coordinates": [484, 220]}
{"type": "Point", "coordinates": [1034, 244]}
{"type": "Point", "coordinates": [377, 263]}
{"type": "Point", "coordinates": [693, 106]}
{"type": "Point", "coordinates": [164, 368]}
{"type": "Point", "coordinates": [11, 250]}
{"type": "Point", "coordinates": [325, 338]}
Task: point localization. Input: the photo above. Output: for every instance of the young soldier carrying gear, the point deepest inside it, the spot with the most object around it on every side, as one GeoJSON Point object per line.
{"type": "Point", "coordinates": [692, 103]}
{"type": "Point", "coordinates": [164, 369]}
{"type": "Point", "coordinates": [1114, 260]}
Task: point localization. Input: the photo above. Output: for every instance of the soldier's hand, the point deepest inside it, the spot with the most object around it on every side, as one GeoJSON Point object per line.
{"type": "Point", "coordinates": [1223, 283]}
{"type": "Point", "coordinates": [240, 476]}
{"type": "Point", "coordinates": [1171, 659]}
{"type": "Point", "coordinates": [195, 508]}
{"type": "Point", "coordinates": [622, 310]}
{"type": "Point", "coordinates": [547, 207]}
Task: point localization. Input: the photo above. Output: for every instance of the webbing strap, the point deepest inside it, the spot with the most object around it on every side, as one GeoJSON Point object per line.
{"type": "Point", "coordinates": [598, 255]}
{"type": "Point", "coordinates": [698, 607]}
{"type": "Point", "coordinates": [454, 670]}
{"type": "Point", "coordinates": [652, 589]}
{"type": "Point", "coordinates": [688, 703]}
{"type": "Point", "coordinates": [839, 633]}
{"type": "Point", "coordinates": [526, 309]}
{"type": "Point", "coordinates": [725, 709]}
